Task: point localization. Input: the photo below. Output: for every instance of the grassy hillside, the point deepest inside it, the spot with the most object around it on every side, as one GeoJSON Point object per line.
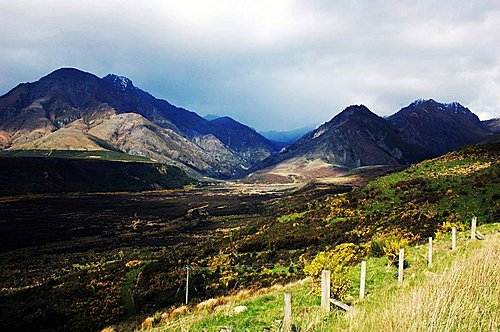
{"type": "Point", "coordinates": [84, 172]}
{"type": "Point", "coordinates": [458, 293]}
{"type": "Point", "coordinates": [423, 200]}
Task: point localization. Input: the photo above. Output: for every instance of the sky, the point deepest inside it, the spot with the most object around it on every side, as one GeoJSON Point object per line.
{"type": "Point", "coordinates": [269, 64]}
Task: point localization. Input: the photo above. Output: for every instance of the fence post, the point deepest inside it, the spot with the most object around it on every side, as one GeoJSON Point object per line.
{"type": "Point", "coordinates": [362, 281]}
{"type": "Point", "coordinates": [473, 228]}
{"type": "Point", "coordinates": [187, 283]}
{"type": "Point", "coordinates": [287, 320]}
{"type": "Point", "coordinates": [429, 261]}
{"type": "Point", "coordinates": [325, 290]}
{"type": "Point", "coordinates": [453, 238]}
{"type": "Point", "coordinates": [401, 264]}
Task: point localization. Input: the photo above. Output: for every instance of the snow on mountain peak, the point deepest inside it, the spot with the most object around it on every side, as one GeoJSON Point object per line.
{"type": "Point", "coordinates": [119, 81]}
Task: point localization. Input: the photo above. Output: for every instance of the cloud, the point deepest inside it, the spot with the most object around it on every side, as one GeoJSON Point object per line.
{"type": "Point", "coordinates": [270, 64]}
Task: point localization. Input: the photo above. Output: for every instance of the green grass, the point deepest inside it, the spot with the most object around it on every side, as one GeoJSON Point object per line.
{"type": "Point", "coordinates": [263, 312]}
{"type": "Point", "coordinates": [418, 200]}
{"type": "Point", "coordinates": [291, 217]}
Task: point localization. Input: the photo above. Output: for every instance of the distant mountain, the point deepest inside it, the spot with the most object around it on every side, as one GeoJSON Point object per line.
{"type": "Point", "coordinates": [357, 137]}
{"type": "Point", "coordinates": [284, 138]}
{"type": "Point", "coordinates": [32, 115]}
{"type": "Point", "coordinates": [211, 117]}
{"type": "Point", "coordinates": [437, 127]}
{"type": "Point", "coordinates": [492, 125]}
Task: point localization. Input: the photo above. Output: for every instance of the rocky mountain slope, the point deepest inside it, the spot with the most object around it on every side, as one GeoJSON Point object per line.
{"type": "Point", "coordinates": [357, 137]}
{"type": "Point", "coordinates": [438, 128]}
{"type": "Point", "coordinates": [61, 109]}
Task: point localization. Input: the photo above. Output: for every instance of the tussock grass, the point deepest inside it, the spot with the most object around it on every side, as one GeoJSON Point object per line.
{"type": "Point", "coordinates": [465, 297]}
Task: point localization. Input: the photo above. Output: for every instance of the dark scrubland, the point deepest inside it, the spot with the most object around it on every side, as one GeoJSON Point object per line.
{"type": "Point", "coordinates": [81, 261]}
{"type": "Point", "coordinates": [84, 171]}
{"type": "Point", "coordinates": [86, 261]}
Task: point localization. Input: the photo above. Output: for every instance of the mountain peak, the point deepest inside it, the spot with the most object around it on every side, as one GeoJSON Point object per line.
{"type": "Point", "coordinates": [68, 73]}
{"type": "Point", "coordinates": [121, 82]}
{"type": "Point", "coordinates": [421, 101]}
{"type": "Point", "coordinates": [438, 127]}
{"type": "Point", "coordinates": [353, 112]}
{"type": "Point", "coordinates": [229, 122]}
{"type": "Point", "coordinates": [357, 109]}
{"type": "Point", "coordinates": [432, 105]}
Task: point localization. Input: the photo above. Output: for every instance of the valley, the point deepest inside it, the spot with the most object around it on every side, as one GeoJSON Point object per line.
{"type": "Point", "coordinates": [230, 166]}
{"type": "Point", "coordinates": [108, 196]}
{"type": "Point", "coordinates": [84, 261]}
{"type": "Point", "coordinates": [63, 257]}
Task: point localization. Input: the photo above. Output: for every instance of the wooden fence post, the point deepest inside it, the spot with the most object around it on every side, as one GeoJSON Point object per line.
{"type": "Point", "coordinates": [473, 228]}
{"type": "Point", "coordinates": [401, 264]}
{"type": "Point", "coordinates": [187, 283]}
{"type": "Point", "coordinates": [453, 238]}
{"type": "Point", "coordinates": [287, 320]}
{"type": "Point", "coordinates": [429, 260]}
{"type": "Point", "coordinates": [362, 281]}
{"type": "Point", "coordinates": [325, 290]}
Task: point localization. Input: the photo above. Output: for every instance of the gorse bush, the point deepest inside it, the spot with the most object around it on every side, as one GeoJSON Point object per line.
{"type": "Point", "coordinates": [453, 220]}
{"type": "Point", "coordinates": [335, 260]}
{"type": "Point", "coordinates": [389, 244]}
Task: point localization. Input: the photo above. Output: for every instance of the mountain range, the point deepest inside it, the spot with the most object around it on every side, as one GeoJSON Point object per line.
{"type": "Point", "coordinates": [357, 137]}
{"type": "Point", "coordinates": [286, 137]}
{"type": "Point", "coordinates": [74, 110]}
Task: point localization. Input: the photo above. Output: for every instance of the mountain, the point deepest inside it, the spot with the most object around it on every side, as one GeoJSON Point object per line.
{"type": "Point", "coordinates": [211, 117]}
{"type": "Point", "coordinates": [438, 127]}
{"type": "Point", "coordinates": [249, 144]}
{"type": "Point", "coordinates": [492, 125]}
{"type": "Point", "coordinates": [356, 137]}
{"type": "Point", "coordinates": [353, 138]}
{"type": "Point", "coordinates": [32, 115]}
{"type": "Point", "coordinates": [284, 138]}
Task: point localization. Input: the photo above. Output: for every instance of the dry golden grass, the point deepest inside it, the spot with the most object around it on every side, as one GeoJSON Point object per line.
{"type": "Point", "coordinates": [147, 323]}
{"type": "Point", "coordinates": [465, 297]}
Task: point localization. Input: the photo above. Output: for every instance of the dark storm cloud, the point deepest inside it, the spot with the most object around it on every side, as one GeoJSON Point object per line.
{"type": "Point", "coordinates": [270, 64]}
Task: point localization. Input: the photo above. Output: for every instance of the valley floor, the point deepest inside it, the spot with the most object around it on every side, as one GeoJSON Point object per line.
{"type": "Point", "coordinates": [66, 260]}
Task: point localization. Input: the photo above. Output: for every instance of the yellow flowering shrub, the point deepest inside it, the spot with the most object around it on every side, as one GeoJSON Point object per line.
{"type": "Point", "coordinates": [389, 244]}
{"type": "Point", "coordinates": [335, 260]}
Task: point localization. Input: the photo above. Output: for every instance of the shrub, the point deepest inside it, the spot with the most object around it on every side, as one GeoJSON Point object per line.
{"type": "Point", "coordinates": [134, 263]}
{"type": "Point", "coordinates": [389, 244]}
{"type": "Point", "coordinates": [335, 260]}
{"type": "Point", "coordinates": [453, 220]}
